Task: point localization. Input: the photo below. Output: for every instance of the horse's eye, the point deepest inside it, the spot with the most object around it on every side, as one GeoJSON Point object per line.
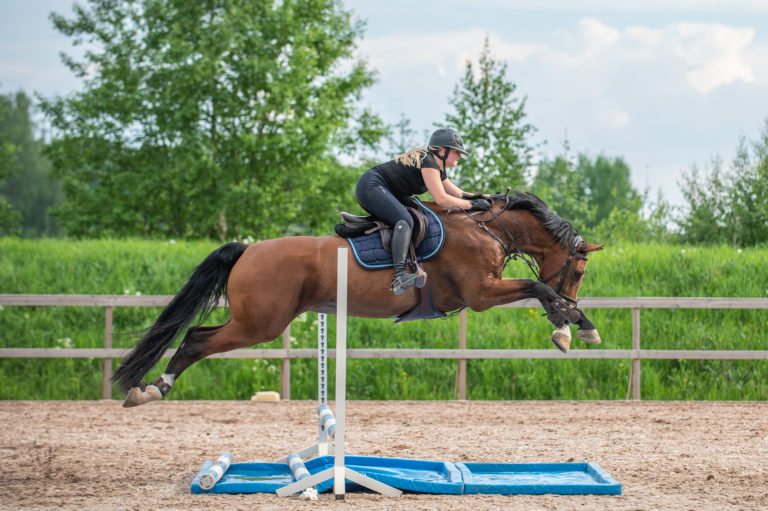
{"type": "Point", "coordinates": [578, 274]}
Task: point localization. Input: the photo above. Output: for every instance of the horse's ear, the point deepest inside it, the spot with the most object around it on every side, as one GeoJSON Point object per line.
{"type": "Point", "coordinates": [586, 248]}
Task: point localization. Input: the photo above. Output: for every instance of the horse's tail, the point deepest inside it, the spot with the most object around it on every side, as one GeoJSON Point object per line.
{"type": "Point", "coordinates": [199, 295]}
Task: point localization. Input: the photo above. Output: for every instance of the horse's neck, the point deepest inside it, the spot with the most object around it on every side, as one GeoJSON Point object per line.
{"type": "Point", "coordinates": [528, 235]}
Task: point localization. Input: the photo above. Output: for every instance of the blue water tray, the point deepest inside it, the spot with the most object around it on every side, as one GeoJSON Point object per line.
{"type": "Point", "coordinates": [537, 478]}
{"type": "Point", "coordinates": [406, 474]}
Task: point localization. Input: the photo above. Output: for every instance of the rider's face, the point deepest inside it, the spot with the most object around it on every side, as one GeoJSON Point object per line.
{"type": "Point", "coordinates": [453, 158]}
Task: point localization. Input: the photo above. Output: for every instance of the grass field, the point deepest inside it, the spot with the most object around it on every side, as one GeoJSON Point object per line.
{"type": "Point", "coordinates": [161, 267]}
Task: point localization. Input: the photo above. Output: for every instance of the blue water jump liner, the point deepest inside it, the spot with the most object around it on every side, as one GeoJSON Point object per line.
{"type": "Point", "coordinates": [537, 478]}
{"type": "Point", "coordinates": [424, 476]}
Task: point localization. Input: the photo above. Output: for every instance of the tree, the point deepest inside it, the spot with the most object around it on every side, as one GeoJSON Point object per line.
{"type": "Point", "coordinates": [608, 185]}
{"type": "Point", "coordinates": [491, 120]}
{"type": "Point", "coordinates": [206, 119]}
{"type": "Point", "coordinates": [729, 206]}
{"type": "Point", "coordinates": [591, 192]}
{"type": "Point", "coordinates": [27, 187]}
{"type": "Point", "coordinates": [706, 198]}
{"type": "Point", "coordinates": [749, 192]}
{"type": "Point", "coordinates": [401, 140]}
{"type": "Point", "coordinates": [8, 166]}
{"type": "Point", "coordinates": [563, 189]}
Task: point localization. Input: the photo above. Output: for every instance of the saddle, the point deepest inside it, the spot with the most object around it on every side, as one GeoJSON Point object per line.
{"type": "Point", "coordinates": [353, 226]}
{"type": "Point", "coordinates": [376, 232]}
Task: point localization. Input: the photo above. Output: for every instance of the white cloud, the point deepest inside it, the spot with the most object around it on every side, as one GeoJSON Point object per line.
{"type": "Point", "coordinates": [610, 114]}
{"type": "Point", "coordinates": [707, 56]}
{"type": "Point", "coordinates": [443, 52]}
{"type": "Point", "coordinates": [703, 55]}
{"type": "Point", "coordinates": [714, 53]}
{"type": "Point", "coordinates": [632, 5]}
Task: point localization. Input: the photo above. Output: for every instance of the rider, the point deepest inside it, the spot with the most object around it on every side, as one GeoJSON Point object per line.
{"type": "Point", "coordinates": [384, 189]}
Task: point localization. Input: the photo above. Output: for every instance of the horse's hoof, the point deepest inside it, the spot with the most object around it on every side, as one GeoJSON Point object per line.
{"type": "Point", "coordinates": [590, 336]}
{"type": "Point", "coordinates": [136, 397]}
{"type": "Point", "coordinates": [562, 338]}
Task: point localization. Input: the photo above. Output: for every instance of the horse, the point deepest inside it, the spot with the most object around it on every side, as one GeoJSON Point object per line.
{"type": "Point", "coordinates": [268, 283]}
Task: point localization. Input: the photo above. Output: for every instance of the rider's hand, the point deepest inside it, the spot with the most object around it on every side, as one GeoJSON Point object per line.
{"type": "Point", "coordinates": [480, 205]}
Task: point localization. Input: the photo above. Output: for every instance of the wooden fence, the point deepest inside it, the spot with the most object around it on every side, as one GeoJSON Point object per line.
{"type": "Point", "coordinates": [462, 354]}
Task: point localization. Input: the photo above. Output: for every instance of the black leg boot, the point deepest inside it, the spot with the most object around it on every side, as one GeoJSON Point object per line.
{"type": "Point", "coordinates": [401, 239]}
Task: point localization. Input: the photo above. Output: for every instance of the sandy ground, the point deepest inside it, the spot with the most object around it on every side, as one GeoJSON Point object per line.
{"type": "Point", "coordinates": [97, 455]}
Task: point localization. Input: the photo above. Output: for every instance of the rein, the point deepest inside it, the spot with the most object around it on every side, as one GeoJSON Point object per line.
{"type": "Point", "coordinates": [513, 252]}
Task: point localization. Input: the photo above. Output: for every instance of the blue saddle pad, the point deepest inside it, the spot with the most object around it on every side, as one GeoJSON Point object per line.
{"type": "Point", "coordinates": [369, 251]}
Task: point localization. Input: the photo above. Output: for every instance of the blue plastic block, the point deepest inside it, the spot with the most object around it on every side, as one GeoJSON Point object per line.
{"type": "Point", "coordinates": [537, 478]}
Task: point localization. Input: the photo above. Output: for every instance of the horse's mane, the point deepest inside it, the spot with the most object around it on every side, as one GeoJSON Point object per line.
{"type": "Point", "coordinates": [562, 230]}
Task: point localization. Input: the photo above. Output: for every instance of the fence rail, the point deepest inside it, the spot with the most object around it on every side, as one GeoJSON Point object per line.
{"type": "Point", "coordinates": [462, 354]}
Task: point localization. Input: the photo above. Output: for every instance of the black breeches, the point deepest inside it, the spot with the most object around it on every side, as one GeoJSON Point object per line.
{"type": "Point", "coordinates": [374, 196]}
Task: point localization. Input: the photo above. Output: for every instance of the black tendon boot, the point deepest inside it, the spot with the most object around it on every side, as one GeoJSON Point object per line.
{"type": "Point", "coordinates": [401, 238]}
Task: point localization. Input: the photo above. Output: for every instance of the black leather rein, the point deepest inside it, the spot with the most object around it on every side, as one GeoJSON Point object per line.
{"type": "Point", "coordinates": [513, 252]}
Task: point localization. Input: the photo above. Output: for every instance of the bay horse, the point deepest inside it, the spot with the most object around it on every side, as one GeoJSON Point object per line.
{"type": "Point", "coordinates": [269, 283]}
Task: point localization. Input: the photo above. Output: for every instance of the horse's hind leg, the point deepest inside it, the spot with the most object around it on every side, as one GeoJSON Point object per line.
{"type": "Point", "coordinates": [198, 343]}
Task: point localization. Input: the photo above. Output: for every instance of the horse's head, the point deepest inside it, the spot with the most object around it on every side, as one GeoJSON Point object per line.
{"type": "Point", "coordinates": [565, 280]}
{"type": "Point", "coordinates": [561, 256]}
{"type": "Point", "coordinates": [565, 277]}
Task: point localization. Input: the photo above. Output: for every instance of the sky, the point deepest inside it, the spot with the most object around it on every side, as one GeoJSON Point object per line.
{"type": "Point", "coordinates": [664, 84]}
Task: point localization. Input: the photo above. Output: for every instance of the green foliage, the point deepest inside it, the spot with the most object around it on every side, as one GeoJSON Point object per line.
{"type": "Point", "coordinates": [627, 269]}
{"type": "Point", "coordinates": [597, 196]}
{"type": "Point", "coordinates": [729, 205]}
{"type": "Point", "coordinates": [563, 188]}
{"type": "Point", "coordinates": [211, 119]}
{"type": "Point", "coordinates": [608, 186]}
{"type": "Point", "coordinates": [491, 120]}
{"type": "Point", "coordinates": [8, 166]}
{"type": "Point", "coordinates": [26, 189]}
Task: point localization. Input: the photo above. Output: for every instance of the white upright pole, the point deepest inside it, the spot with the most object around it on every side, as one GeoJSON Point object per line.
{"type": "Point", "coordinates": [339, 488]}
{"type": "Point", "coordinates": [338, 472]}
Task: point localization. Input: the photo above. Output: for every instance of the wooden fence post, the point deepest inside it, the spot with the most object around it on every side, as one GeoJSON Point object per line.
{"type": "Point", "coordinates": [635, 360]}
{"type": "Point", "coordinates": [460, 388]}
{"type": "Point", "coordinates": [285, 368]}
{"type": "Point", "coordinates": [106, 365]}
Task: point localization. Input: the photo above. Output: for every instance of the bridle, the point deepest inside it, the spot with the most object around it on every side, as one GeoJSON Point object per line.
{"type": "Point", "coordinates": [513, 252]}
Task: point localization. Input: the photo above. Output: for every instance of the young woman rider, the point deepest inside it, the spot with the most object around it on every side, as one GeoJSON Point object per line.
{"type": "Point", "coordinates": [384, 189]}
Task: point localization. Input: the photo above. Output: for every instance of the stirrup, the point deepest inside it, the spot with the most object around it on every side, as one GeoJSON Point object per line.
{"type": "Point", "coordinates": [401, 283]}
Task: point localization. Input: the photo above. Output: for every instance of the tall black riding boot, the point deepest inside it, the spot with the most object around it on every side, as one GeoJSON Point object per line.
{"type": "Point", "coordinates": [401, 239]}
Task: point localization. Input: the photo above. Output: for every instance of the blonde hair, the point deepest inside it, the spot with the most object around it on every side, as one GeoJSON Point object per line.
{"type": "Point", "coordinates": [412, 158]}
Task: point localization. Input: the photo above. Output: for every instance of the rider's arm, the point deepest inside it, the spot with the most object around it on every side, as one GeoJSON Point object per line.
{"type": "Point", "coordinates": [452, 189]}
{"type": "Point", "coordinates": [442, 194]}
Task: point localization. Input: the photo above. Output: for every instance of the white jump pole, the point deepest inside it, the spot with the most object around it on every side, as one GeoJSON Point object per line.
{"type": "Point", "coordinates": [338, 472]}
{"type": "Point", "coordinates": [341, 372]}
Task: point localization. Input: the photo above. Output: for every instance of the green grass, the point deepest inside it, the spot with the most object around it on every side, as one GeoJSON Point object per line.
{"type": "Point", "coordinates": [161, 267]}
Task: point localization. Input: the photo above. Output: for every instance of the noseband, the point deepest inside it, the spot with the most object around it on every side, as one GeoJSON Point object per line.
{"type": "Point", "coordinates": [513, 252]}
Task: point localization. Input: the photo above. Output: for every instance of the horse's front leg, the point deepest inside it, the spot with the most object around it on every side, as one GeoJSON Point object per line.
{"type": "Point", "coordinates": [559, 313]}
{"type": "Point", "coordinates": [587, 331]}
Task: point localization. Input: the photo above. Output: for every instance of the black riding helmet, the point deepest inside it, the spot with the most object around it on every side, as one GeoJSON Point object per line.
{"type": "Point", "coordinates": [448, 139]}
